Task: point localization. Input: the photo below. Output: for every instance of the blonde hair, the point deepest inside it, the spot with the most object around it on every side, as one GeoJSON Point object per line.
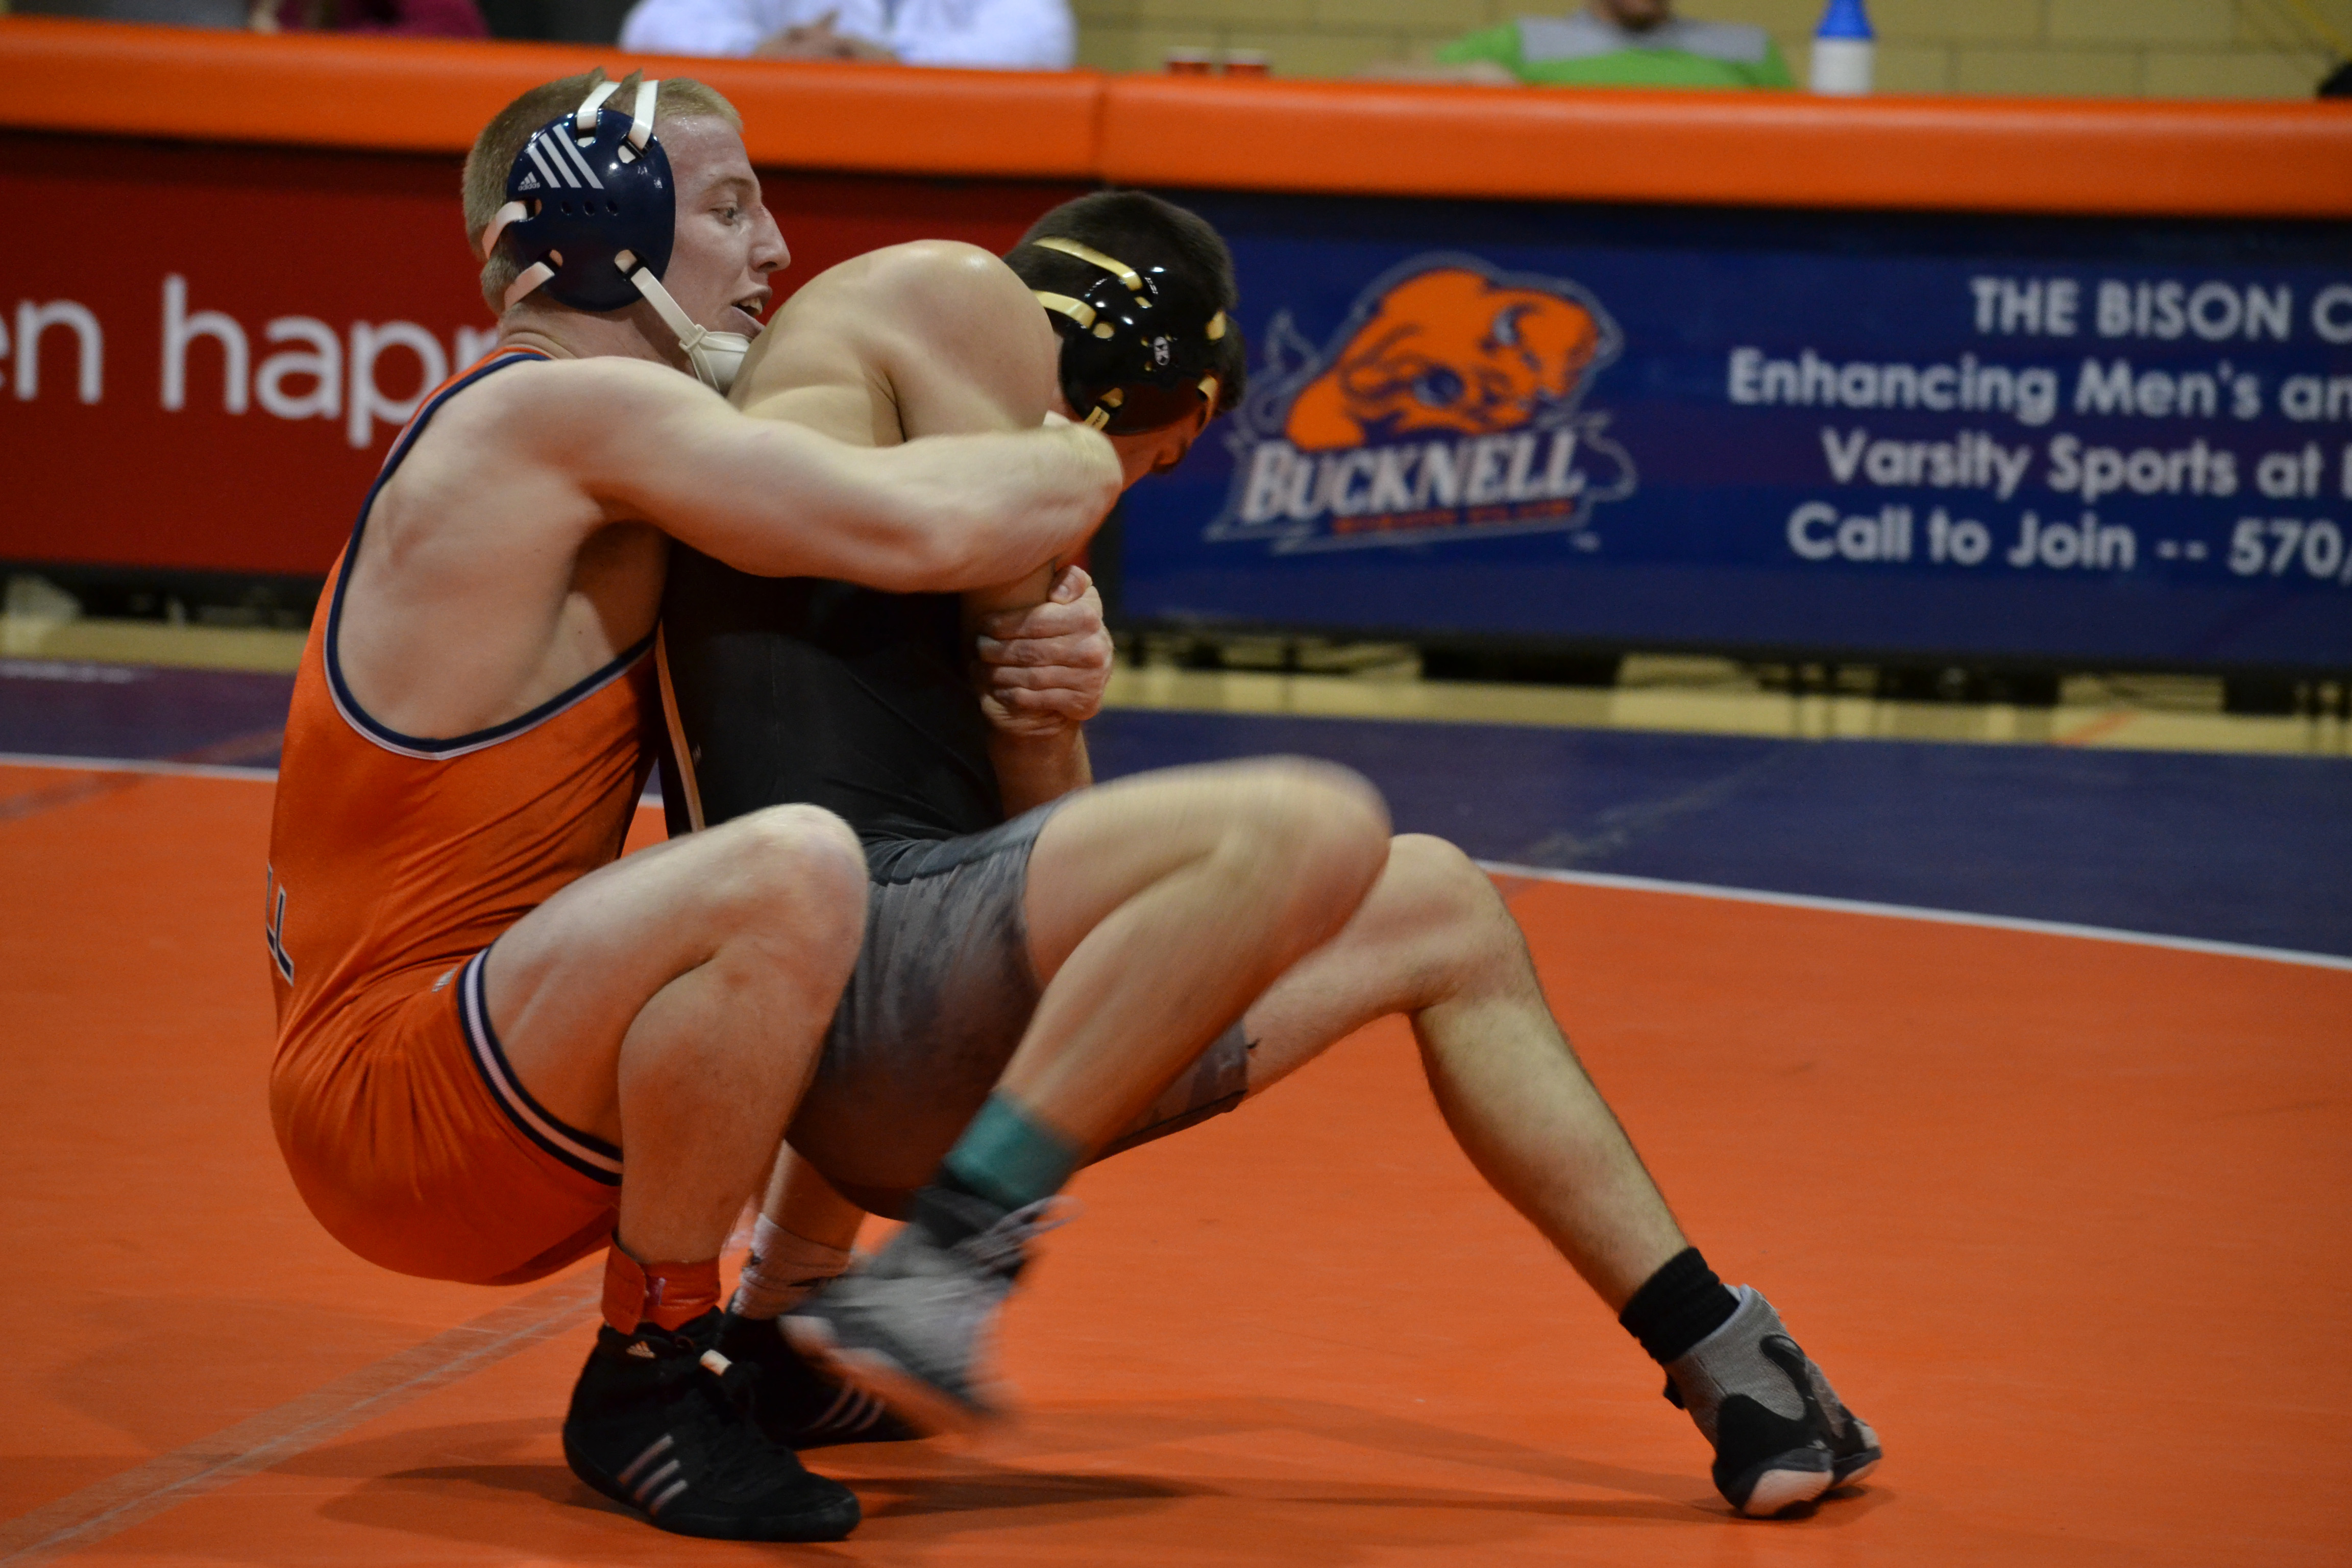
{"type": "Point", "coordinates": [501, 142]}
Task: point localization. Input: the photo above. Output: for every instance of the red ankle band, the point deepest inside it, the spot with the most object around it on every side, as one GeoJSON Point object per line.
{"type": "Point", "coordinates": [667, 1295]}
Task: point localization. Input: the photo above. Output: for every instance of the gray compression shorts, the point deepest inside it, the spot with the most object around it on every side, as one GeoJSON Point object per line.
{"type": "Point", "coordinates": [941, 995]}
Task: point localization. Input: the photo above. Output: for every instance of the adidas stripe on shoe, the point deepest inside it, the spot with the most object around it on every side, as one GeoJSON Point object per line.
{"type": "Point", "coordinates": [661, 1421]}
{"type": "Point", "coordinates": [800, 1406]}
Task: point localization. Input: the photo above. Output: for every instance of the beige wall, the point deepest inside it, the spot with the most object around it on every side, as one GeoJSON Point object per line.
{"type": "Point", "coordinates": [2190, 48]}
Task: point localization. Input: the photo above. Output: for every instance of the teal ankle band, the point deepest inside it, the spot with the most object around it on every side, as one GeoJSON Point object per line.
{"type": "Point", "coordinates": [1010, 1158]}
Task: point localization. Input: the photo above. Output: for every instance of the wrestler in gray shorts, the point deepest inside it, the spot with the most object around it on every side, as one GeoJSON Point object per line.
{"type": "Point", "coordinates": [941, 996]}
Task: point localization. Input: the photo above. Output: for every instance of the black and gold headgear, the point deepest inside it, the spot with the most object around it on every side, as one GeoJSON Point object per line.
{"type": "Point", "coordinates": [1137, 346]}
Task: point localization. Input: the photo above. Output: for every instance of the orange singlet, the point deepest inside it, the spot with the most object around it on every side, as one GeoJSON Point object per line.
{"type": "Point", "coordinates": [395, 863]}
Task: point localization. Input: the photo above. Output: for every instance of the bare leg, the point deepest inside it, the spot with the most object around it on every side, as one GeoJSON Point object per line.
{"type": "Point", "coordinates": [1434, 940]}
{"type": "Point", "coordinates": [802, 1201]}
{"type": "Point", "coordinates": [1158, 905]}
{"type": "Point", "coordinates": [802, 1240]}
{"type": "Point", "coordinates": [1155, 908]}
{"type": "Point", "coordinates": [673, 1004]}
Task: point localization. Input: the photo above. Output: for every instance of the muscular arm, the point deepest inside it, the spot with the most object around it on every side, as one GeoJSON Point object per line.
{"type": "Point", "coordinates": [778, 499]}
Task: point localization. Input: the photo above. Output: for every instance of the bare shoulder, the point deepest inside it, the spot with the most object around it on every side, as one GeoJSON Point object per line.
{"type": "Point", "coordinates": [922, 279]}
{"type": "Point", "coordinates": [968, 308]}
{"type": "Point", "coordinates": [941, 277]}
{"type": "Point", "coordinates": [552, 402]}
{"type": "Point", "coordinates": [940, 299]}
{"type": "Point", "coordinates": [946, 334]}
{"type": "Point", "coordinates": [539, 442]}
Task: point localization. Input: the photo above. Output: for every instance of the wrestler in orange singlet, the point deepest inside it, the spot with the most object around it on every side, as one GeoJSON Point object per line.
{"type": "Point", "coordinates": [499, 1047]}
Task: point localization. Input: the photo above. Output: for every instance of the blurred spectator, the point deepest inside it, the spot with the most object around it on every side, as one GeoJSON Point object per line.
{"type": "Point", "coordinates": [178, 13]}
{"type": "Point", "coordinates": [416, 18]}
{"type": "Point", "coordinates": [1609, 43]}
{"type": "Point", "coordinates": [569, 21]}
{"type": "Point", "coordinates": [1005, 35]}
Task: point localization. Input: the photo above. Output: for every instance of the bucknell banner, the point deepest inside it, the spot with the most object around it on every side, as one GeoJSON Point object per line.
{"type": "Point", "coordinates": [2089, 441]}
{"type": "Point", "coordinates": [1449, 401]}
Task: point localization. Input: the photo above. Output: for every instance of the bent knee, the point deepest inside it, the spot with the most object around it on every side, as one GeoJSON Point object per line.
{"type": "Point", "coordinates": [1310, 796]}
{"type": "Point", "coordinates": [794, 870]}
{"type": "Point", "coordinates": [1439, 870]}
{"type": "Point", "coordinates": [1448, 900]}
{"type": "Point", "coordinates": [1315, 825]}
{"type": "Point", "coordinates": [805, 832]}
{"type": "Point", "coordinates": [1441, 885]}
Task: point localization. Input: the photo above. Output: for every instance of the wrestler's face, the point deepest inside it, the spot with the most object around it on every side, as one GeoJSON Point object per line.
{"type": "Point", "coordinates": [1157, 451]}
{"type": "Point", "coordinates": [728, 243]}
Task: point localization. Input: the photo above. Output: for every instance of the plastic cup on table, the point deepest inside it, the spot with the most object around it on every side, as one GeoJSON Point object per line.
{"type": "Point", "coordinates": [1186, 60]}
{"type": "Point", "coordinates": [1245, 62]}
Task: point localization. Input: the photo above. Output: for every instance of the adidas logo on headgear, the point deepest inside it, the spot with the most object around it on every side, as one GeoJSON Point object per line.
{"type": "Point", "coordinates": [531, 182]}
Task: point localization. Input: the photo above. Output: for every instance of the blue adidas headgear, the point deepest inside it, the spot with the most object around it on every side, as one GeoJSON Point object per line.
{"type": "Point", "coordinates": [592, 213]}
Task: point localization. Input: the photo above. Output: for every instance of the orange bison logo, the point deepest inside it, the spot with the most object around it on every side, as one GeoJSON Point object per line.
{"type": "Point", "coordinates": [1446, 405]}
{"type": "Point", "coordinates": [1450, 352]}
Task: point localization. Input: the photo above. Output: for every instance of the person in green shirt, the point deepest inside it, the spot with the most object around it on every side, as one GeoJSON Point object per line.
{"type": "Point", "coordinates": [1609, 43]}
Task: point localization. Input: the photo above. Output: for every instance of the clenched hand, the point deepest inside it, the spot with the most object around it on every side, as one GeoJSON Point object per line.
{"type": "Point", "coordinates": [1044, 668]}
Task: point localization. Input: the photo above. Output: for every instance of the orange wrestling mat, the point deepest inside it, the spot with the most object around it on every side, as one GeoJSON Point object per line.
{"type": "Point", "coordinates": [2064, 1218]}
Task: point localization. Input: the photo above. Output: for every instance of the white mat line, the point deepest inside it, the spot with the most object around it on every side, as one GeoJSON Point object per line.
{"type": "Point", "coordinates": [135, 765]}
{"type": "Point", "coordinates": [1914, 912]}
{"type": "Point", "coordinates": [1500, 868]}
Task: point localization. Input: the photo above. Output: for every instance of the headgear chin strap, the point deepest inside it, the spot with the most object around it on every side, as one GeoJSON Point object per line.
{"type": "Point", "coordinates": [716, 356]}
{"type": "Point", "coordinates": [1135, 346]}
{"type": "Point", "coordinates": [592, 210]}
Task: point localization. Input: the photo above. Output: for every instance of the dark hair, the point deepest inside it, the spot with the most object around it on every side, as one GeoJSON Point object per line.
{"type": "Point", "coordinates": [1142, 231]}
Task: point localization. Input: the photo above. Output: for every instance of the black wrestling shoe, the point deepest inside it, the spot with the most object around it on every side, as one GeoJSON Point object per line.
{"type": "Point", "coordinates": [1781, 1436]}
{"type": "Point", "coordinates": [799, 1406]}
{"type": "Point", "coordinates": [661, 1421]}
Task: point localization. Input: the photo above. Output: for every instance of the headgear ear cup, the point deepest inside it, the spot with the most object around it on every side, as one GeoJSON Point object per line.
{"type": "Point", "coordinates": [592, 214]}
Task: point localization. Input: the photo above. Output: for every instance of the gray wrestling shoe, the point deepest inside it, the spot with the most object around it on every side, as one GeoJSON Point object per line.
{"type": "Point", "coordinates": [1780, 1434]}
{"type": "Point", "coordinates": [913, 1327]}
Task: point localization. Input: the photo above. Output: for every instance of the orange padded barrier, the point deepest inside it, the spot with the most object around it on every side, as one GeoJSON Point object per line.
{"type": "Point", "coordinates": [415, 95]}
{"type": "Point", "coordinates": [1748, 149]}
{"type": "Point", "coordinates": [2189, 158]}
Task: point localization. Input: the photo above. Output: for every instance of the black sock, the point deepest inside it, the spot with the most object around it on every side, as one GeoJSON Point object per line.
{"type": "Point", "coordinates": [1678, 1306]}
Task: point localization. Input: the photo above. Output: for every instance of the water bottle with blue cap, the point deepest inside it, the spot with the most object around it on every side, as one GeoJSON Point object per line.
{"type": "Point", "coordinates": [1843, 49]}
